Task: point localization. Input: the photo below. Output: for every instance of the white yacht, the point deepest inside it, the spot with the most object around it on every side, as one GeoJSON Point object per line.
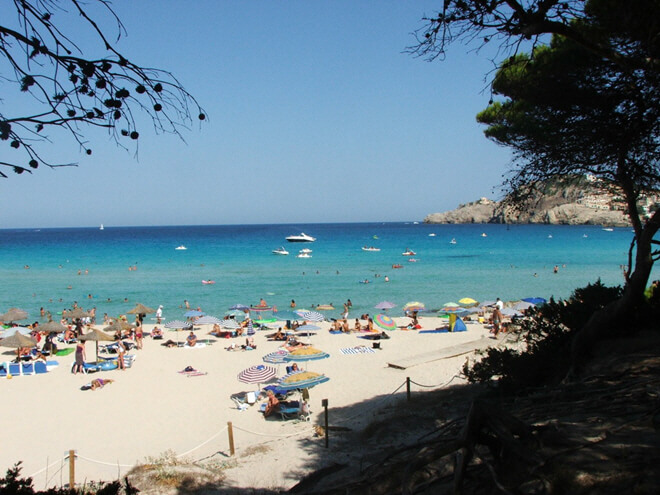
{"type": "Point", "coordinates": [301, 238]}
{"type": "Point", "coordinates": [370, 248]}
{"type": "Point", "coordinates": [181, 248]}
{"type": "Point", "coordinates": [281, 251]}
{"type": "Point", "coordinates": [303, 254]}
{"type": "Point", "coordinates": [305, 251]}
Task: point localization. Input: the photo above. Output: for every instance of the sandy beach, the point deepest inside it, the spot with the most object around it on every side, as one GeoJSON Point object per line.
{"type": "Point", "coordinates": [151, 409]}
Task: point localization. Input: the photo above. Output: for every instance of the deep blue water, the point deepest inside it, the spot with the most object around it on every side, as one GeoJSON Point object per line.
{"type": "Point", "coordinates": [510, 262]}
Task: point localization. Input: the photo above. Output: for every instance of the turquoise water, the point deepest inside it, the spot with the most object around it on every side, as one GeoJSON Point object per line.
{"type": "Point", "coordinates": [510, 262]}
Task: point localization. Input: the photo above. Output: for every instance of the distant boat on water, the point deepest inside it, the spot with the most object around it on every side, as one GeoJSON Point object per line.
{"type": "Point", "coordinates": [453, 241]}
{"type": "Point", "coordinates": [608, 229]}
{"type": "Point", "coordinates": [181, 248]}
{"type": "Point", "coordinates": [101, 227]}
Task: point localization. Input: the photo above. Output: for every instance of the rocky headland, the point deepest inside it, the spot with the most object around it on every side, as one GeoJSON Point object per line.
{"type": "Point", "coordinates": [580, 203]}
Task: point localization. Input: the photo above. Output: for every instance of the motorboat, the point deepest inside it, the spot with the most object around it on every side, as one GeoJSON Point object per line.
{"type": "Point", "coordinates": [413, 260]}
{"type": "Point", "coordinates": [281, 250]}
{"type": "Point", "coordinates": [208, 282]}
{"type": "Point", "coordinates": [483, 234]}
{"type": "Point", "coordinates": [302, 254]}
{"type": "Point", "coordinates": [397, 266]}
{"type": "Point", "coordinates": [372, 249]}
{"type": "Point", "coordinates": [453, 241]}
{"type": "Point", "coordinates": [305, 250]}
{"type": "Point", "coordinates": [181, 248]}
{"type": "Point", "coordinates": [301, 238]}
{"type": "Point", "coordinates": [409, 252]}
{"type": "Point", "coordinates": [608, 229]}
{"type": "Point", "coordinates": [431, 234]}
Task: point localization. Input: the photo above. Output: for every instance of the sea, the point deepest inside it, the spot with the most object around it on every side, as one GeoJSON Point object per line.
{"type": "Point", "coordinates": [114, 268]}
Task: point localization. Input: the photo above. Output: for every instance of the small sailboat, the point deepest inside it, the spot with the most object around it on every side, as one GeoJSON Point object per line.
{"type": "Point", "coordinates": [101, 227]}
{"type": "Point", "coordinates": [453, 241]}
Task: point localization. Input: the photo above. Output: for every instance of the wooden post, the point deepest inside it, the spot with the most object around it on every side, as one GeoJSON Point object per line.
{"type": "Point", "coordinates": [324, 403]}
{"type": "Point", "coordinates": [72, 469]}
{"type": "Point", "coordinates": [230, 431]}
{"type": "Point", "coordinates": [408, 388]}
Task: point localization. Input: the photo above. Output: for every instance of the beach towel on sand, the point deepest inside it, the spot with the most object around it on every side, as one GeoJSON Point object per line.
{"type": "Point", "coordinates": [190, 371]}
{"type": "Point", "coordinates": [358, 349]}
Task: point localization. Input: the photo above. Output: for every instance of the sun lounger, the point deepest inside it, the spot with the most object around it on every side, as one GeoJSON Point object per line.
{"type": "Point", "coordinates": [293, 410]}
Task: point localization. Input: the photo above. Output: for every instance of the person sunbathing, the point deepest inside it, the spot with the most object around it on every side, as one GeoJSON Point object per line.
{"type": "Point", "coordinates": [191, 340]}
{"type": "Point", "coordinates": [279, 335]}
{"type": "Point", "coordinates": [272, 405]}
{"type": "Point", "coordinates": [156, 333]}
{"type": "Point", "coordinates": [100, 383]}
{"type": "Point", "coordinates": [357, 327]}
{"type": "Point", "coordinates": [249, 343]}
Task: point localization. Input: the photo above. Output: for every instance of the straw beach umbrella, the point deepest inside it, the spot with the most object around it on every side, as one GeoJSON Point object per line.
{"type": "Point", "coordinates": [18, 341]}
{"type": "Point", "coordinates": [14, 314]}
{"type": "Point", "coordinates": [301, 380]}
{"type": "Point", "coordinates": [141, 309]}
{"type": "Point", "coordinates": [97, 335]}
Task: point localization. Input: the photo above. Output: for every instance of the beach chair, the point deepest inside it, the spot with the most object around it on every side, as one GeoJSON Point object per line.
{"type": "Point", "coordinates": [298, 410]}
{"type": "Point", "coordinates": [27, 369]}
{"type": "Point", "coordinates": [244, 400]}
{"type": "Point", "coordinates": [40, 367]}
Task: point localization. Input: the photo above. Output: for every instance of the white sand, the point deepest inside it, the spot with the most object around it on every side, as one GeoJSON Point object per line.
{"type": "Point", "coordinates": [151, 408]}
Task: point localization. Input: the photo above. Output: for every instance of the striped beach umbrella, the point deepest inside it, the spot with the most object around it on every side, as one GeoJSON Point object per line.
{"type": "Point", "coordinates": [259, 373]}
{"type": "Point", "coordinates": [250, 328]}
{"type": "Point", "coordinates": [239, 307]}
{"type": "Point", "coordinates": [178, 325]}
{"type": "Point", "coordinates": [230, 324]}
{"type": "Point", "coordinates": [276, 357]}
{"type": "Point", "coordinates": [310, 315]}
{"type": "Point", "coordinates": [208, 320]}
{"type": "Point", "coordinates": [414, 306]}
{"type": "Point", "coordinates": [385, 322]}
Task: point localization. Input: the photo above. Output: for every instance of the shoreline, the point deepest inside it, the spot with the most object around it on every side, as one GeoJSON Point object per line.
{"type": "Point", "coordinates": [151, 409]}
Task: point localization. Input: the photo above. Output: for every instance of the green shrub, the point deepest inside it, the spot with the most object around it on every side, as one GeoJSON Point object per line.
{"type": "Point", "coordinates": [544, 357]}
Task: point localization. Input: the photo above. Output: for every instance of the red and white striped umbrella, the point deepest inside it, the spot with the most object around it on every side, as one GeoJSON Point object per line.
{"type": "Point", "coordinates": [259, 373]}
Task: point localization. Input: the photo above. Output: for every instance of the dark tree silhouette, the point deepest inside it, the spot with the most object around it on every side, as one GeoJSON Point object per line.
{"type": "Point", "coordinates": [508, 23]}
{"type": "Point", "coordinates": [41, 55]}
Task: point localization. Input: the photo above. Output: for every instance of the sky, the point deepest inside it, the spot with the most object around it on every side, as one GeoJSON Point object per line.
{"type": "Point", "coordinates": [316, 114]}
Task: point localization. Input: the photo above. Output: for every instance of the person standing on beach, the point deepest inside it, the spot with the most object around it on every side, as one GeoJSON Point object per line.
{"type": "Point", "coordinates": [499, 304]}
{"type": "Point", "coordinates": [80, 358]}
{"type": "Point", "coordinates": [344, 315]}
{"type": "Point", "coordinates": [497, 321]}
{"type": "Point", "coordinates": [121, 350]}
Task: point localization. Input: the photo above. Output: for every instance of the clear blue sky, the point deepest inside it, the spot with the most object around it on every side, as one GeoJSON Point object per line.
{"type": "Point", "coordinates": [316, 115]}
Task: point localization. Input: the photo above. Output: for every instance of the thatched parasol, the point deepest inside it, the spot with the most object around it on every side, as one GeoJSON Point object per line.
{"type": "Point", "coordinates": [52, 327]}
{"type": "Point", "coordinates": [141, 309]}
{"type": "Point", "coordinates": [17, 341]}
{"type": "Point", "coordinates": [118, 326]}
{"type": "Point", "coordinates": [14, 314]}
{"type": "Point", "coordinates": [76, 313]}
{"type": "Point", "coordinates": [97, 336]}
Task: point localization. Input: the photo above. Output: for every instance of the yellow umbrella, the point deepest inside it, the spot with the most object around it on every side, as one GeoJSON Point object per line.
{"type": "Point", "coordinates": [467, 302]}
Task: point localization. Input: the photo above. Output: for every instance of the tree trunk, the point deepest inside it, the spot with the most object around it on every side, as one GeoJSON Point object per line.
{"type": "Point", "coordinates": [611, 319]}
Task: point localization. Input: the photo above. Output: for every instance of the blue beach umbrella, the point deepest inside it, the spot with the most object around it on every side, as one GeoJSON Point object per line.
{"type": "Point", "coordinates": [305, 354]}
{"type": "Point", "coordinates": [301, 380]}
{"type": "Point", "coordinates": [535, 300]}
{"type": "Point", "coordinates": [193, 313]}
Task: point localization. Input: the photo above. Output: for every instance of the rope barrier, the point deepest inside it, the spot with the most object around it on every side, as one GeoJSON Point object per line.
{"type": "Point", "coordinates": [201, 444]}
{"type": "Point", "coordinates": [436, 386]}
{"type": "Point", "coordinates": [268, 435]}
{"type": "Point", "coordinates": [113, 464]}
{"type": "Point", "coordinates": [47, 467]}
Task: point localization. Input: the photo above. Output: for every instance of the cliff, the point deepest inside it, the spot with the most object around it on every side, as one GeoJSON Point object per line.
{"type": "Point", "coordinates": [580, 203]}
